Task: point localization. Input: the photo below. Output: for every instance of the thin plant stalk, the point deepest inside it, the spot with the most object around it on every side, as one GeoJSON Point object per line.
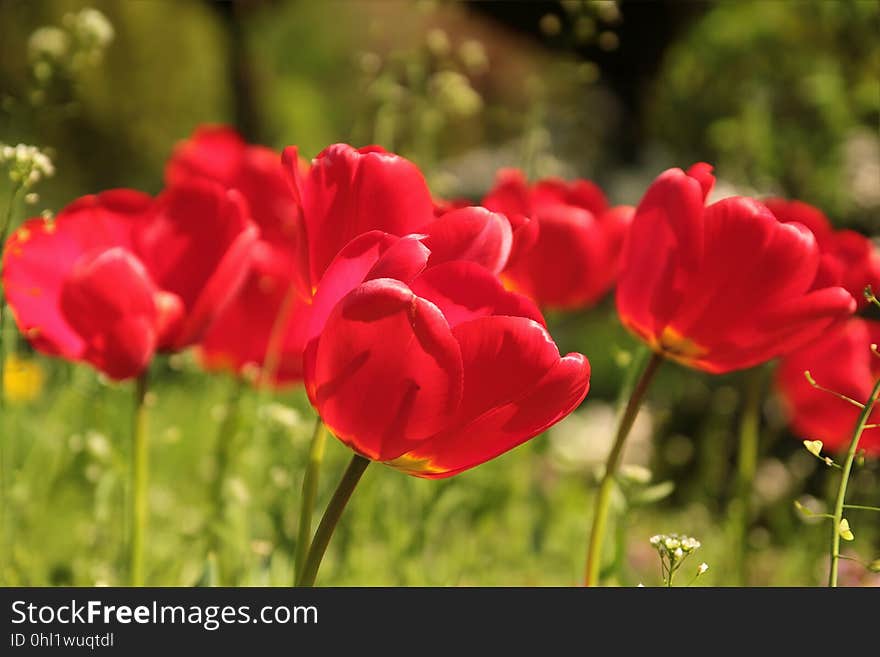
{"type": "Point", "coordinates": [140, 469]}
{"type": "Point", "coordinates": [844, 482]}
{"type": "Point", "coordinates": [272, 359]}
{"type": "Point", "coordinates": [309, 492]}
{"type": "Point", "coordinates": [4, 230]}
{"type": "Point", "coordinates": [5, 434]}
{"type": "Point", "coordinates": [602, 503]}
{"type": "Point", "coordinates": [347, 484]}
{"type": "Point", "coordinates": [223, 448]}
{"type": "Point", "coordinates": [746, 465]}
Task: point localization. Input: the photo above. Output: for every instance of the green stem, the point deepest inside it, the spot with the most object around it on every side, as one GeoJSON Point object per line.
{"type": "Point", "coordinates": [10, 209]}
{"type": "Point", "coordinates": [4, 230]}
{"type": "Point", "coordinates": [844, 482]}
{"type": "Point", "coordinates": [603, 498]}
{"type": "Point", "coordinates": [309, 491]}
{"type": "Point", "coordinates": [223, 447]}
{"type": "Point", "coordinates": [747, 461]}
{"type": "Point", "coordinates": [140, 468]}
{"type": "Point", "coordinates": [275, 343]}
{"type": "Point", "coordinates": [861, 507]}
{"type": "Point", "coordinates": [334, 510]}
{"type": "Point", "coordinates": [4, 432]}
{"type": "Point", "coordinates": [272, 359]}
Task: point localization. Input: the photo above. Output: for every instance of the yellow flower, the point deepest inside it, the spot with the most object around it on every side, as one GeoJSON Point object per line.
{"type": "Point", "coordinates": [22, 379]}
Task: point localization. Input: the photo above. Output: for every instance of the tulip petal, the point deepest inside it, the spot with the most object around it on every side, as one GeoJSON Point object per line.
{"type": "Point", "coordinates": [802, 213]}
{"type": "Point", "coordinates": [218, 153]}
{"type": "Point", "coordinates": [702, 173]}
{"type": "Point", "coordinates": [859, 261]}
{"type": "Point", "coordinates": [569, 264]}
{"type": "Point", "coordinates": [38, 256]}
{"type": "Point", "coordinates": [662, 252]}
{"type": "Point", "coordinates": [368, 256]}
{"type": "Point", "coordinates": [387, 371]}
{"type": "Point", "coordinates": [473, 234]}
{"type": "Point", "coordinates": [525, 234]}
{"type": "Point", "coordinates": [757, 263]}
{"type": "Point", "coordinates": [516, 386]}
{"type": "Point", "coordinates": [348, 192]}
{"type": "Point", "coordinates": [780, 330]}
{"type": "Point", "coordinates": [840, 360]}
{"type": "Point", "coordinates": [109, 300]}
{"type": "Point", "coordinates": [464, 291]}
{"type": "Point", "coordinates": [213, 151]}
{"type": "Point", "coordinates": [403, 260]}
{"type": "Point", "coordinates": [197, 245]}
{"type": "Point", "coordinates": [510, 195]}
{"type": "Point", "coordinates": [578, 193]}
{"type": "Point", "coordinates": [240, 334]}
{"type": "Point", "coordinates": [676, 199]}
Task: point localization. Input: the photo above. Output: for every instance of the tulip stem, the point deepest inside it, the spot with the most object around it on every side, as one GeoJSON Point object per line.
{"type": "Point", "coordinates": [334, 510]}
{"type": "Point", "coordinates": [747, 461]}
{"type": "Point", "coordinates": [309, 491]}
{"type": "Point", "coordinates": [222, 455]}
{"type": "Point", "coordinates": [272, 358]}
{"type": "Point", "coordinates": [140, 465]}
{"type": "Point", "coordinates": [603, 497]}
{"type": "Point", "coordinates": [844, 482]}
{"type": "Point", "coordinates": [275, 342]}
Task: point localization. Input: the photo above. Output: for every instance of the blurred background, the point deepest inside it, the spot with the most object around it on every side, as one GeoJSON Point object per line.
{"type": "Point", "coordinates": [782, 97]}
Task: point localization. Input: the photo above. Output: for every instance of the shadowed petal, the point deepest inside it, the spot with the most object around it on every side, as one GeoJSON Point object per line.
{"type": "Point", "coordinates": [198, 246]}
{"type": "Point", "coordinates": [516, 386]}
{"type": "Point", "coordinates": [465, 291]}
{"type": "Point", "coordinates": [387, 371]}
{"type": "Point", "coordinates": [109, 300]}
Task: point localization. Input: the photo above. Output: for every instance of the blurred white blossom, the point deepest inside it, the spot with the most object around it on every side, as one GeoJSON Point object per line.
{"type": "Point", "coordinates": [582, 440]}
{"type": "Point", "coordinates": [26, 165]}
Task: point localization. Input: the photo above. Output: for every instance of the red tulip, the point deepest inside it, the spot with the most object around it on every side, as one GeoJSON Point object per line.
{"type": "Point", "coordinates": [119, 276]}
{"type": "Point", "coordinates": [849, 258]}
{"type": "Point", "coordinates": [241, 333]}
{"type": "Point", "coordinates": [722, 287]}
{"type": "Point", "coordinates": [432, 369]}
{"type": "Point", "coordinates": [349, 193]}
{"type": "Point", "coordinates": [307, 214]}
{"type": "Point", "coordinates": [842, 361]}
{"type": "Point", "coordinates": [567, 256]}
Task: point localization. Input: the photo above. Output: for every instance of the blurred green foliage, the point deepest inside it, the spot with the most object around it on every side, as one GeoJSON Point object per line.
{"type": "Point", "coordinates": [518, 520]}
{"type": "Point", "coordinates": [777, 95]}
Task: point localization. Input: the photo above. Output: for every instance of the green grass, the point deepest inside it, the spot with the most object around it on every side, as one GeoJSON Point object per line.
{"type": "Point", "coordinates": [521, 519]}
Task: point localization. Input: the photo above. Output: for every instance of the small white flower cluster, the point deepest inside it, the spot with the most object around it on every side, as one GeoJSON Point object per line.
{"type": "Point", "coordinates": [91, 28]}
{"type": "Point", "coordinates": [80, 41]}
{"type": "Point", "coordinates": [673, 550]}
{"type": "Point", "coordinates": [48, 42]}
{"type": "Point", "coordinates": [27, 164]}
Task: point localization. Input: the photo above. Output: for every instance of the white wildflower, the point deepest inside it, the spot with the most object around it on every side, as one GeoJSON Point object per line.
{"type": "Point", "coordinates": [48, 42]}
